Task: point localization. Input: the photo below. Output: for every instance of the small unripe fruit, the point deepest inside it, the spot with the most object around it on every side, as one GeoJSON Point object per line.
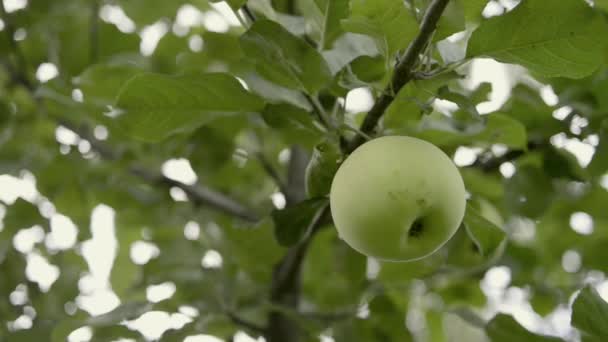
{"type": "Point", "coordinates": [397, 198]}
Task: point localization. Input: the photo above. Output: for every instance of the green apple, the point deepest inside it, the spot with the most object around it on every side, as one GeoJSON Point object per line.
{"type": "Point", "coordinates": [397, 198]}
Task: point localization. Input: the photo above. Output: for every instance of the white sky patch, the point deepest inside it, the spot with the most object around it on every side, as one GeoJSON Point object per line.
{"type": "Point", "coordinates": [548, 95]}
{"type": "Point", "coordinates": [359, 100]}
{"type": "Point", "coordinates": [179, 170]}
{"type": "Point", "coordinates": [284, 156]}
{"type": "Point", "coordinates": [581, 223]}
{"type": "Point", "coordinates": [40, 271]}
{"type": "Point", "coordinates": [64, 233]}
{"type": "Point", "coordinates": [192, 230]}
{"type": "Point", "coordinates": [178, 194]}
{"type": "Point", "coordinates": [523, 230]}
{"type": "Point", "coordinates": [571, 261]}
{"type": "Point", "coordinates": [507, 169]}
{"type": "Point", "coordinates": [241, 336]}
{"type": "Point", "coordinates": [602, 289]}
{"type": "Point", "coordinates": [46, 72]}
{"type": "Point", "coordinates": [14, 5]}
{"type": "Point", "coordinates": [160, 292]}
{"type": "Point", "coordinates": [100, 132]}
{"type": "Point", "coordinates": [582, 151]}
{"type": "Point", "coordinates": [562, 112]}
{"type": "Point", "coordinates": [99, 252]}
{"type": "Point", "coordinates": [13, 188]}
{"type": "Point", "coordinates": [25, 239]}
{"type": "Point", "coordinates": [141, 252]}
{"type": "Point", "coordinates": [66, 136]}
{"type": "Point", "coordinates": [202, 338]}
{"type": "Point", "coordinates": [604, 181]}
{"type": "Point", "coordinates": [115, 15]}
{"type": "Point", "coordinates": [77, 95]}
{"type": "Point", "coordinates": [496, 278]}
{"type": "Point", "coordinates": [492, 9]}
{"type": "Point", "coordinates": [465, 156]}
{"type": "Point", "coordinates": [19, 296]}
{"type": "Point", "coordinates": [372, 268]}
{"type": "Point", "coordinates": [20, 34]}
{"type": "Point", "coordinates": [278, 200]}
{"type": "Point", "coordinates": [215, 22]}
{"type": "Point", "coordinates": [153, 324]}
{"type": "Point", "coordinates": [188, 16]}
{"type": "Point", "coordinates": [99, 302]}
{"type": "Point", "coordinates": [212, 259]}
{"type": "Point", "coordinates": [150, 36]}
{"type": "Point", "coordinates": [22, 322]}
{"type": "Point", "coordinates": [1, 25]}
{"type": "Point", "coordinates": [189, 311]}
{"type": "Point", "coordinates": [81, 334]}
{"type": "Point", "coordinates": [84, 146]}
{"type": "Point", "coordinates": [195, 43]}
{"type": "Point", "coordinates": [224, 9]}
{"type": "Point", "coordinates": [501, 76]}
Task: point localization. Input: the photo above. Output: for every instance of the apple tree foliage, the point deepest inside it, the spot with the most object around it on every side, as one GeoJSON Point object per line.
{"type": "Point", "coordinates": [257, 107]}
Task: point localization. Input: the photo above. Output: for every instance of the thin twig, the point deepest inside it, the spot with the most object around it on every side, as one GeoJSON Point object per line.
{"type": "Point", "coordinates": [272, 172]}
{"type": "Point", "coordinates": [404, 71]}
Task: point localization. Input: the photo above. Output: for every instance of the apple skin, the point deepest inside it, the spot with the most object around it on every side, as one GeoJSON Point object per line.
{"type": "Point", "coordinates": [397, 198]}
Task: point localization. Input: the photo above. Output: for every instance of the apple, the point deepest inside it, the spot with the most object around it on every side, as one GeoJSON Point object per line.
{"type": "Point", "coordinates": [397, 198]}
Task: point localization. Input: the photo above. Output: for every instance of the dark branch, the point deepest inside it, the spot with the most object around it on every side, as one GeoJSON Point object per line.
{"type": "Point", "coordinates": [404, 71]}
{"type": "Point", "coordinates": [285, 287]}
{"type": "Point", "coordinates": [272, 172]}
{"type": "Point", "coordinates": [244, 323]}
{"type": "Point", "coordinates": [248, 13]}
{"type": "Point", "coordinates": [200, 195]}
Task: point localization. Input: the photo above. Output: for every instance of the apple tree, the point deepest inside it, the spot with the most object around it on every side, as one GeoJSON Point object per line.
{"type": "Point", "coordinates": [166, 170]}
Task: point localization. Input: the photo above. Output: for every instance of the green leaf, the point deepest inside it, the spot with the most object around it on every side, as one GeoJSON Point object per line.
{"type": "Point", "coordinates": [495, 128]}
{"type": "Point", "coordinates": [528, 192]}
{"type": "Point", "coordinates": [565, 39]}
{"type": "Point", "coordinates": [325, 18]}
{"type": "Point", "coordinates": [234, 4]}
{"type": "Point", "coordinates": [414, 100]}
{"type": "Point", "coordinates": [323, 165]}
{"type": "Point", "coordinates": [125, 311]}
{"type": "Point", "coordinates": [504, 328]}
{"type": "Point", "coordinates": [100, 83]}
{"type": "Point", "coordinates": [22, 214]}
{"type": "Point", "coordinates": [347, 48]}
{"type": "Point", "coordinates": [473, 8]}
{"type": "Point", "coordinates": [295, 125]}
{"type": "Point", "coordinates": [603, 4]}
{"type": "Point", "coordinates": [151, 107]}
{"type": "Point", "coordinates": [294, 222]}
{"type": "Point", "coordinates": [389, 22]}
{"type": "Point", "coordinates": [590, 315]}
{"type": "Point", "coordinates": [284, 58]}
{"type": "Point", "coordinates": [333, 274]}
{"type": "Point", "coordinates": [486, 235]}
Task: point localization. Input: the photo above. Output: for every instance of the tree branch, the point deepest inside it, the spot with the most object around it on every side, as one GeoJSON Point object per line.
{"type": "Point", "coordinates": [285, 287]}
{"type": "Point", "coordinates": [244, 323]}
{"type": "Point", "coordinates": [200, 195]}
{"type": "Point", "coordinates": [404, 71]}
